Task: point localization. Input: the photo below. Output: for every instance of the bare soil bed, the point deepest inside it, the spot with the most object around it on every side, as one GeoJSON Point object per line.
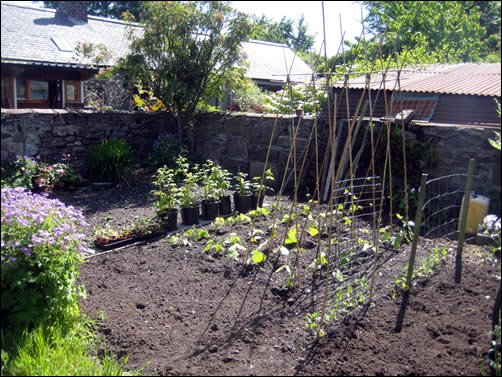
{"type": "Point", "coordinates": [184, 311]}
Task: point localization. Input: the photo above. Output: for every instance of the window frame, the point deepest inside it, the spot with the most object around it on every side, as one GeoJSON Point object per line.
{"type": "Point", "coordinates": [77, 85]}
{"type": "Point", "coordinates": [27, 97]}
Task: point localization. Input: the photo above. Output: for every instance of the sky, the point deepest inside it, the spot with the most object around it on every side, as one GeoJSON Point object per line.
{"type": "Point", "coordinates": [312, 10]}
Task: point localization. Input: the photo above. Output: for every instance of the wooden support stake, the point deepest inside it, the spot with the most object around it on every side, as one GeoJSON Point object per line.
{"type": "Point", "coordinates": [463, 221]}
{"type": "Point", "coordinates": [416, 230]}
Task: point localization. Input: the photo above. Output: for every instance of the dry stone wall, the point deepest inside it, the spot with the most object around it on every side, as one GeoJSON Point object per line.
{"type": "Point", "coordinates": [50, 133]}
{"type": "Point", "coordinates": [236, 141]}
{"type": "Point", "coordinates": [241, 142]}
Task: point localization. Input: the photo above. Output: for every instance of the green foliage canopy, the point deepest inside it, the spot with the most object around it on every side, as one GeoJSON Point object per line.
{"type": "Point", "coordinates": [298, 38]}
{"type": "Point", "coordinates": [421, 32]}
{"type": "Point", "coordinates": [451, 31]}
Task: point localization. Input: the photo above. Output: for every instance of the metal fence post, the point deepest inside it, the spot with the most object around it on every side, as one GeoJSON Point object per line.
{"type": "Point", "coordinates": [463, 222]}
{"type": "Point", "coordinates": [416, 230]}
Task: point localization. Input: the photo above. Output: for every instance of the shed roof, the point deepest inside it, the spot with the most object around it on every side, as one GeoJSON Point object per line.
{"type": "Point", "coordinates": [31, 36]}
{"type": "Point", "coordinates": [481, 79]}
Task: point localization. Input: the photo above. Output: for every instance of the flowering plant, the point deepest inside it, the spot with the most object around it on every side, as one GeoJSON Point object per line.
{"type": "Point", "coordinates": [24, 171]}
{"type": "Point", "coordinates": [41, 246]}
{"type": "Point", "coordinates": [62, 174]}
{"type": "Point", "coordinates": [39, 176]}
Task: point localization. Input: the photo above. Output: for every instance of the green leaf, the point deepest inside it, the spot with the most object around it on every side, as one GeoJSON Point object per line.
{"type": "Point", "coordinates": [291, 237]}
{"type": "Point", "coordinates": [258, 256]}
{"type": "Point", "coordinates": [313, 231]}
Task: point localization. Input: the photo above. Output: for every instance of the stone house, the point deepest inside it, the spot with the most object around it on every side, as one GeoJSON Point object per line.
{"type": "Point", "coordinates": [42, 67]}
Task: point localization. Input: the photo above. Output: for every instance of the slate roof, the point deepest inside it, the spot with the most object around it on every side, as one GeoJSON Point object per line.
{"type": "Point", "coordinates": [273, 61]}
{"type": "Point", "coordinates": [480, 79]}
{"type": "Point", "coordinates": [29, 35]}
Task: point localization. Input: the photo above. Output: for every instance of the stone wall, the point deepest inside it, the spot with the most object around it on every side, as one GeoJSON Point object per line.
{"type": "Point", "coordinates": [236, 141]}
{"type": "Point", "coordinates": [240, 142]}
{"type": "Point", "coordinates": [50, 133]}
{"type": "Point", "coordinates": [454, 146]}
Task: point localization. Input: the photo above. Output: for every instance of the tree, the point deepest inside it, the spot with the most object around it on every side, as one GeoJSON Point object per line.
{"type": "Point", "coordinates": [421, 32]}
{"type": "Point", "coordinates": [265, 29]}
{"type": "Point", "coordinates": [108, 9]}
{"type": "Point", "coordinates": [184, 53]}
{"type": "Point", "coordinates": [448, 31]}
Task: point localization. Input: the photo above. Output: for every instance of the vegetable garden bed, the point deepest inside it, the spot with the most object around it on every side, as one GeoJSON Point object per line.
{"type": "Point", "coordinates": [196, 312]}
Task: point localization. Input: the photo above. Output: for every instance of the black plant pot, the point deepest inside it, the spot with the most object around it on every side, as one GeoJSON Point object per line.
{"type": "Point", "coordinates": [254, 200]}
{"type": "Point", "coordinates": [225, 205]}
{"type": "Point", "coordinates": [210, 209]}
{"type": "Point", "coordinates": [169, 219]}
{"type": "Point", "coordinates": [242, 203]}
{"type": "Point", "coordinates": [190, 215]}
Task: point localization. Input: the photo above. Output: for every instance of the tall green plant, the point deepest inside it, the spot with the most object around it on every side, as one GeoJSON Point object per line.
{"type": "Point", "coordinates": [109, 160]}
{"type": "Point", "coordinates": [167, 190]}
{"type": "Point", "coordinates": [184, 52]}
{"type": "Point", "coordinates": [188, 191]}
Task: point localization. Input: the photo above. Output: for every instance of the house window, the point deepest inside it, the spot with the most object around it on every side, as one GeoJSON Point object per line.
{"type": "Point", "coordinates": [21, 89]}
{"type": "Point", "coordinates": [72, 91]}
{"type": "Point", "coordinates": [32, 90]}
{"type": "Point", "coordinates": [423, 105]}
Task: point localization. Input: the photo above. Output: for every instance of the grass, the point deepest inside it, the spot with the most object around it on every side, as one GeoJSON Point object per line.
{"type": "Point", "coordinates": [56, 350]}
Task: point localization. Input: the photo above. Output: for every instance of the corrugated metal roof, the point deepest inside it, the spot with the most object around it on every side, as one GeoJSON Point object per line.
{"type": "Point", "coordinates": [481, 79]}
{"type": "Point", "coordinates": [450, 108]}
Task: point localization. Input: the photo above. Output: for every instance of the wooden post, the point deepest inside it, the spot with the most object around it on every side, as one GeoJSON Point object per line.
{"type": "Point", "coordinates": [416, 230]}
{"type": "Point", "coordinates": [463, 222]}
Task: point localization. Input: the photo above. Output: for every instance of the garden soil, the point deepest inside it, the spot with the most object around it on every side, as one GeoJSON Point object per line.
{"type": "Point", "coordinates": [177, 310]}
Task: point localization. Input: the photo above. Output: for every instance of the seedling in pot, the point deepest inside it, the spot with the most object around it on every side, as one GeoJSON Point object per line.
{"type": "Point", "coordinates": [243, 185]}
{"type": "Point", "coordinates": [259, 187]}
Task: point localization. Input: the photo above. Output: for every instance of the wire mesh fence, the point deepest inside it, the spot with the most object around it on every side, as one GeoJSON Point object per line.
{"type": "Point", "coordinates": [441, 209]}
{"type": "Point", "coordinates": [347, 248]}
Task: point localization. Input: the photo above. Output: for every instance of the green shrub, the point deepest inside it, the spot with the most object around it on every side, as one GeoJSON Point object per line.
{"type": "Point", "coordinates": [22, 172]}
{"type": "Point", "coordinates": [41, 241]}
{"type": "Point", "coordinates": [109, 160]}
{"type": "Point", "coordinates": [166, 150]}
{"type": "Point", "coordinates": [39, 176]}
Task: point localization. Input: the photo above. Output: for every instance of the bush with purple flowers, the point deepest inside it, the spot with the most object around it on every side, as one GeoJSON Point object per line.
{"type": "Point", "coordinates": [41, 246]}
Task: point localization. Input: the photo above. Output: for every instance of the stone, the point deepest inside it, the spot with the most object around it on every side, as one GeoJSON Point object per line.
{"type": "Point", "coordinates": [64, 130]}
{"type": "Point", "coordinates": [237, 148]}
{"type": "Point", "coordinates": [18, 138]}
